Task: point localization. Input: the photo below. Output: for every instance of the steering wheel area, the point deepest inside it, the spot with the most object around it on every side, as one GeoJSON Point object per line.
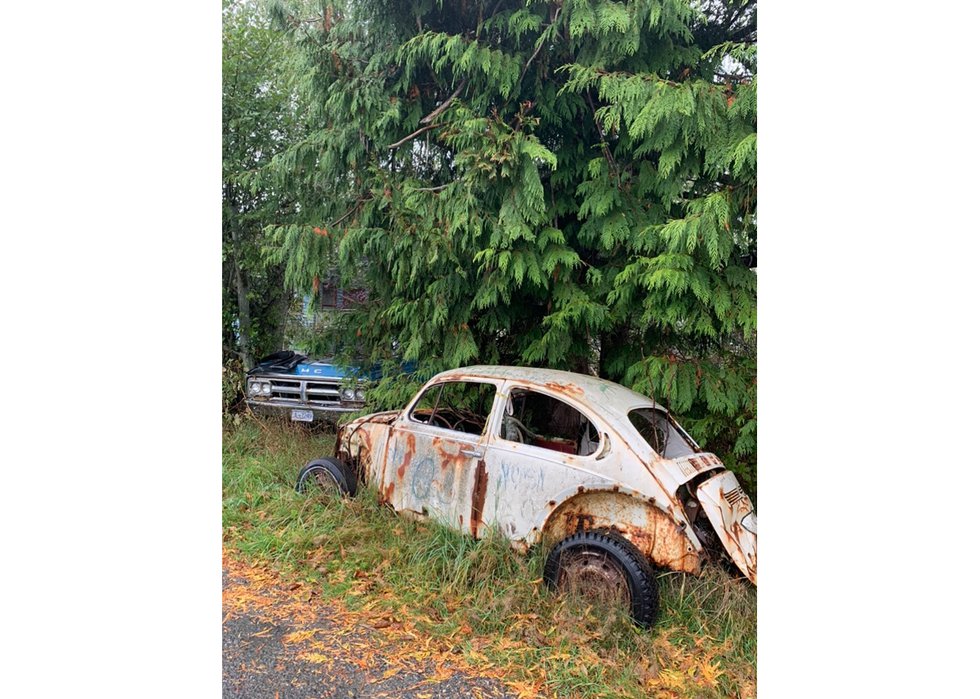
{"type": "Point", "coordinates": [441, 420]}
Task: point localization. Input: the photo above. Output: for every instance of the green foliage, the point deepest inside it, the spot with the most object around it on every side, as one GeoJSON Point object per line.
{"type": "Point", "coordinates": [257, 121]}
{"type": "Point", "coordinates": [232, 386]}
{"type": "Point", "coordinates": [569, 184]}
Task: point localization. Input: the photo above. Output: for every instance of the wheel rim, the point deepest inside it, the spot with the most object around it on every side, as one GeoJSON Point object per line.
{"type": "Point", "coordinates": [595, 575]}
{"type": "Point", "coordinates": [321, 479]}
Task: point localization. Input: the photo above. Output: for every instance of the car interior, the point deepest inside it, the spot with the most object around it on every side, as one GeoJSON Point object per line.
{"type": "Point", "coordinates": [542, 421]}
{"type": "Point", "coordinates": [530, 418]}
{"type": "Point", "coordinates": [463, 406]}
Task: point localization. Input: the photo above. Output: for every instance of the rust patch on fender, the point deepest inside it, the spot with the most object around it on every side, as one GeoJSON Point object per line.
{"type": "Point", "coordinates": [653, 531]}
{"type": "Point", "coordinates": [663, 541]}
{"type": "Point", "coordinates": [577, 521]}
{"type": "Point", "coordinates": [479, 496]}
{"type": "Point", "coordinates": [365, 438]}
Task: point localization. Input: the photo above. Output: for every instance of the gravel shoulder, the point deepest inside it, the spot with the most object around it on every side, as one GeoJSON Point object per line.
{"type": "Point", "coordinates": [280, 640]}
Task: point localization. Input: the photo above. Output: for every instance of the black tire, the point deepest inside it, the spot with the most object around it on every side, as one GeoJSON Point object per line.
{"type": "Point", "coordinates": [327, 474]}
{"type": "Point", "coordinates": [604, 559]}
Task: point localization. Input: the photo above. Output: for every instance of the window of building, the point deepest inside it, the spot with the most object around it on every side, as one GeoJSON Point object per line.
{"type": "Point", "coordinates": [329, 296]}
{"type": "Point", "coordinates": [333, 296]}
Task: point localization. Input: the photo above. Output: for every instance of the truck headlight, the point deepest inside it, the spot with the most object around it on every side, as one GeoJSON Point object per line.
{"type": "Point", "coordinates": [347, 394]}
{"type": "Point", "coordinates": [256, 388]}
{"type": "Point", "coordinates": [359, 394]}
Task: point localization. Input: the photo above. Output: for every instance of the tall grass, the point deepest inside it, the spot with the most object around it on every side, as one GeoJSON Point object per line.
{"type": "Point", "coordinates": [479, 598]}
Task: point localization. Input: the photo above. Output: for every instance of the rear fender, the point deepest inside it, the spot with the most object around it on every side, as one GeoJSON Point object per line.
{"type": "Point", "coordinates": [666, 541]}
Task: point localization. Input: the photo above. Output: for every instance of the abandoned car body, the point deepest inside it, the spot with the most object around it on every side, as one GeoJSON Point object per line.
{"type": "Point", "coordinates": [603, 473]}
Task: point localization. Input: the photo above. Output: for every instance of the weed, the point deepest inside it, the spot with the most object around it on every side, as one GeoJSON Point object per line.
{"type": "Point", "coordinates": [480, 601]}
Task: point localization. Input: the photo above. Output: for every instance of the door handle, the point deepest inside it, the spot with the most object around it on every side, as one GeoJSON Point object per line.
{"type": "Point", "coordinates": [471, 452]}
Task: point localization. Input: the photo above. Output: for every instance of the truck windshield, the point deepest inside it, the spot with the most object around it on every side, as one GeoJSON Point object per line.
{"type": "Point", "coordinates": [660, 433]}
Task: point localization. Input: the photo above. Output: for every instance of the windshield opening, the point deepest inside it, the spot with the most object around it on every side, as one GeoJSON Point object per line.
{"type": "Point", "coordinates": [659, 431]}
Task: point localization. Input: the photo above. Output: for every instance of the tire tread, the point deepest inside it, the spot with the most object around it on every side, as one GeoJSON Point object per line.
{"type": "Point", "coordinates": [337, 468]}
{"type": "Point", "coordinates": [642, 580]}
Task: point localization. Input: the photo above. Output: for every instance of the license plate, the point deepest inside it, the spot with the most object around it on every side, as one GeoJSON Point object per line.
{"type": "Point", "coordinates": [301, 415]}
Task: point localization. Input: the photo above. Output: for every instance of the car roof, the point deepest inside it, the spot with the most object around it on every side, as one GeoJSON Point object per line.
{"type": "Point", "coordinates": [606, 398]}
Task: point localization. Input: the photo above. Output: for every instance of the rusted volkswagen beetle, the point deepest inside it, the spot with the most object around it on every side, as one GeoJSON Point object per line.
{"type": "Point", "coordinates": [601, 474]}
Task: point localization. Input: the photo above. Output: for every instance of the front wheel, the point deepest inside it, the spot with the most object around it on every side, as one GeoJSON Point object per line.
{"type": "Point", "coordinates": [607, 567]}
{"type": "Point", "coordinates": [326, 475]}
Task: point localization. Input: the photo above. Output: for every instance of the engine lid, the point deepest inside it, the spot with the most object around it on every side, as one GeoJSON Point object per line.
{"type": "Point", "coordinates": [733, 517]}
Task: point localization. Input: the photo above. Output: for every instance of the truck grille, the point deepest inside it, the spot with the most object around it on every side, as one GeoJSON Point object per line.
{"type": "Point", "coordinates": [303, 391]}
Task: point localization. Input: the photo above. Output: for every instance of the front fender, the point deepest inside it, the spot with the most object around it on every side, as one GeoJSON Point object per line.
{"type": "Point", "coordinates": [363, 442]}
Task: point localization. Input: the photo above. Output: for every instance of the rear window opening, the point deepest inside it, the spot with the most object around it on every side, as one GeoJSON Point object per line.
{"type": "Point", "coordinates": [660, 432]}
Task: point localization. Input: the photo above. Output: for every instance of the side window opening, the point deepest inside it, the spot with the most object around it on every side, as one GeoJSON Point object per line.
{"type": "Point", "coordinates": [542, 421]}
{"type": "Point", "coordinates": [426, 405]}
{"type": "Point", "coordinates": [656, 427]}
{"type": "Point", "coordinates": [463, 406]}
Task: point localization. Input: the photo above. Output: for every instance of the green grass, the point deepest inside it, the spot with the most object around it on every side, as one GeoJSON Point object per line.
{"type": "Point", "coordinates": [479, 599]}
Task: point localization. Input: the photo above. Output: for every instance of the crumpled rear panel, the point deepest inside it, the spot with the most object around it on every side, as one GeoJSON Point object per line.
{"type": "Point", "coordinates": [732, 515]}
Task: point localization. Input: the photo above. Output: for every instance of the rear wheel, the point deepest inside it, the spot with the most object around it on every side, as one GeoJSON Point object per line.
{"type": "Point", "coordinates": [326, 475]}
{"type": "Point", "coordinates": [606, 567]}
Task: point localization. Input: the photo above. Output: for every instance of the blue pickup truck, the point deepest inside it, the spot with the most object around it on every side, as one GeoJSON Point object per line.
{"type": "Point", "coordinates": [290, 385]}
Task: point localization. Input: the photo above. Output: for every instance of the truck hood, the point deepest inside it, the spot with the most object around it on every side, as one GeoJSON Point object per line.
{"type": "Point", "coordinates": [289, 363]}
{"type": "Point", "coordinates": [323, 370]}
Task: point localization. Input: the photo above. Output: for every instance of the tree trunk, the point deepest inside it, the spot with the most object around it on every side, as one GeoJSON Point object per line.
{"type": "Point", "coordinates": [244, 311]}
{"type": "Point", "coordinates": [281, 308]}
{"type": "Point", "coordinates": [612, 343]}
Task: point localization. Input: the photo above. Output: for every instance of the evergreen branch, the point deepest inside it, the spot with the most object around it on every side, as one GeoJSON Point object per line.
{"type": "Point", "coordinates": [349, 212]}
{"type": "Point", "coordinates": [413, 135]}
{"type": "Point", "coordinates": [541, 43]}
{"type": "Point", "coordinates": [444, 106]}
{"type": "Point", "coordinates": [602, 138]}
{"type": "Point", "coordinates": [428, 118]}
{"type": "Point", "coordinates": [730, 80]}
{"type": "Point", "coordinates": [533, 56]}
{"type": "Point", "coordinates": [625, 74]}
{"type": "Point", "coordinates": [479, 19]}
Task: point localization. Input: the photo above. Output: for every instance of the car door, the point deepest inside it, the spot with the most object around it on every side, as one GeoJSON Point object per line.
{"type": "Point", "coordinates": [539, 446]}
{"type": "Point", "coordinates": [435, 452]}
